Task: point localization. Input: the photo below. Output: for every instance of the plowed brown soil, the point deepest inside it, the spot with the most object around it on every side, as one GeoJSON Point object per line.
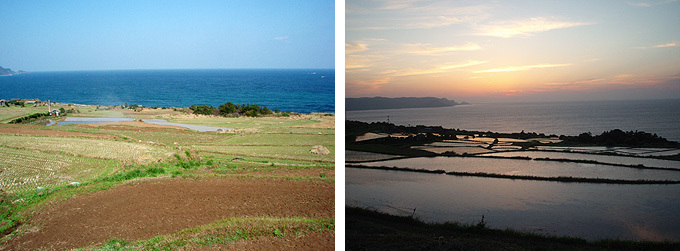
{"type": "Point", "coordinates": [145, 209]}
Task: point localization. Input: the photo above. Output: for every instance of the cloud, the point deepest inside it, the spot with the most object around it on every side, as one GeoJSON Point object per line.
{"type": "Point", "coordinates": [281, 38]}
{"type": "Point", "coordinates": [671, 44]}
{"type": "Point", "coordinates": [360, 61]}
{"type": "Point", "coordinates": [521, 68]}
{"type": "Point", "coordinates": [528, 27]}
{"type": "Point", "coordinates": [639, 4]}
{"type": "Point", "coordinates": [427, 49]}
{"type": "Point", "coordinates": [405, 15]}
{"type": "Point", "coordinates": [363, 87]}
{"type": "Point", "coordinates": [355, 47]}
{"type": "Point", "coordinates": [650, 4]}
{"type": "Point", "coordinates": [614, 80]}
{"type": "Point", "coordinates": [438, 69]}
{"type": "Point", "coordinates": [397, 4]}
{"type": "Point", "coordinates": [425, 22]}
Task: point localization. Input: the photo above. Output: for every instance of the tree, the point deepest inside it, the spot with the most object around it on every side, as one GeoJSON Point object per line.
{"type": "Point", "coordinates": [227, 108]}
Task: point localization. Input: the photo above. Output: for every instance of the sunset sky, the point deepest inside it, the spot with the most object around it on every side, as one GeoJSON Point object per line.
{"type": "Point", "coordinates": [487, 51]}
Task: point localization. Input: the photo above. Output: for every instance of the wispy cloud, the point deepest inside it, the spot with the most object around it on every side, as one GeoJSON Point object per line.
{"type": "Point", "coordinates": [650, 3]}
{"type": "Point", "coordinates": [407, 14]}
{"type": "Point", "coordinates": [528, 27]}
{"type": "Point", "coordinates": [521, 68]}
{"type": "Point", "coordinates": [438, 69]}
{"type": "Point", "coordinates": [355, 47]}
{"type": "Point", "coordinates": [397, 4]}
{"type": "Point", "coordinates": [427, 49]}
{"type": "Point", "coordinates": [613, 80]}
{"type": "Point", "coordinates": [281, 38]}
{"type": "Point", "coordinates": [364, 87]}
{"type": "Point", "coordinates": [639, 4]}
{"type": "Point", "coordinates": [409, 23]}
{"type": "Point", "coordinates": [353, 62]}
{"type": "Point", "coordinates": [671, 44]}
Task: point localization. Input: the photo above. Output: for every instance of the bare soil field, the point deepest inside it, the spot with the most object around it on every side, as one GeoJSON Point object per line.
{"type": "Point", "coordinates": [314, 241]}
{"type": "Point", "coordinates": [145, 208]}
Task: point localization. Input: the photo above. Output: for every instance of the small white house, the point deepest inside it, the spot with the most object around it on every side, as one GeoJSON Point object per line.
{"type": "Point", "coordinates": [3, 102]}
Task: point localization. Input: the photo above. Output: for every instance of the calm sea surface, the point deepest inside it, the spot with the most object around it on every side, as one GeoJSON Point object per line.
{"type": "Point", "coordinates": [568, 118]}
{"type": "Point", "coordinates": [297, 90]}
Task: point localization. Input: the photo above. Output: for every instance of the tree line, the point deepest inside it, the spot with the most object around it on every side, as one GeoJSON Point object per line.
{"type": "Point", "coordinates": [231, 109]}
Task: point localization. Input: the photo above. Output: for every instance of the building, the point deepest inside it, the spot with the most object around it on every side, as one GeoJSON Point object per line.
{"type": "Point", "coordinates": [54, 112]}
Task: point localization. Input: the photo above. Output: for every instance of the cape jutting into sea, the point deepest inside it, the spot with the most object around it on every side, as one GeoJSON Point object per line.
{"type": "Point", "coordinates": [295, 90]}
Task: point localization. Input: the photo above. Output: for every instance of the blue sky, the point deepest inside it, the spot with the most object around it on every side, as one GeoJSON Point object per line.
{"type": "Point", "coordinates": [106, 35]}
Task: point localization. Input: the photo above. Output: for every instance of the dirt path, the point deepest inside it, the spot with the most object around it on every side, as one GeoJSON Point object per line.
{"type": "Point", "coordinates": [142, 210]}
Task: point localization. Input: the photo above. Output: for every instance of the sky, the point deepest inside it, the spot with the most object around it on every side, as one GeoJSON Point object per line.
{"type": "Point", "coordinates": [500, 51]}
{"type": "Point", "coordinates": [111, 35]}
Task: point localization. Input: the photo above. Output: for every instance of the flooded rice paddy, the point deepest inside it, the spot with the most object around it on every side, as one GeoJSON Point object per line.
{"type": "Point", "coordinates": [586, 210]}
{"type": "Point", "coordinates": [89, 120]}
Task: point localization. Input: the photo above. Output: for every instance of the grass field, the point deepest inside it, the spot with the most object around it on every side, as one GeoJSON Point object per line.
{"type": "Point", "coordinates": [107, 156]}
{"type": "Point", "coordinates": [7, 114]}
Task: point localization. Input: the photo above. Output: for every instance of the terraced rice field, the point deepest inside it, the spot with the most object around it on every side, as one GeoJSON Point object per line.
{"type": "Point", "coordinates": [23, 170]}
{"type": "Point", "coordinates": [277, 152]}
{"type": "Point", "coordinates": [262, 157]}
{"type": "Point", "coordinates": [91, 148]}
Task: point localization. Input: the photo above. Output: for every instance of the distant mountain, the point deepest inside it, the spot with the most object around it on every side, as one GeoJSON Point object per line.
{"type": "Point", "coordinates": [377, 103]}
{"type": "Point", "coordinates": [8, 71]}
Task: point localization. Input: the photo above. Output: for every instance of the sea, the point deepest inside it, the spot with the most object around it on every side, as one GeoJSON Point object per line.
{"type": "Point", "coordinates": [293, 90]}
{"type": "Point", "coordinates": [560, 118]}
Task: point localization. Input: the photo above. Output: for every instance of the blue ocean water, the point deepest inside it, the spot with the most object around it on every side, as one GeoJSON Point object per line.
{"type": "Point", "coordinates": [296, 90]}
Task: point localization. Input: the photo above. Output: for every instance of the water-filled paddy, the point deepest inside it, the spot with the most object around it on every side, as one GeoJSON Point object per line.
{"type": "Point", "coordinates": [601, 158]}
{"type": "Point", "coordinates": [591, 211]}
{"type": "Point", "coordinates": [89, 120]}
{"type": "Point", "coordinates": [529, 167]}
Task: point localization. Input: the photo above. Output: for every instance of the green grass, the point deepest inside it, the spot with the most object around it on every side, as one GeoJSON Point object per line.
{"type": "Point", "coordinates": [7, 114]}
